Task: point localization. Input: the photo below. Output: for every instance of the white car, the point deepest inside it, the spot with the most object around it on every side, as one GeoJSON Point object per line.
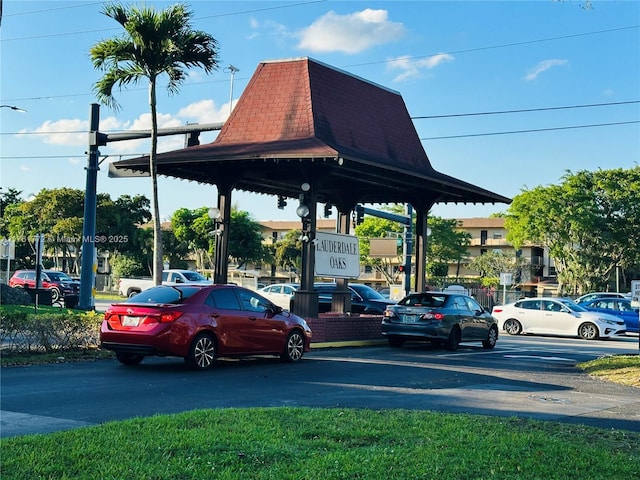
{"type": "Point", "coordinates": [590, 296]}
{"type": "Point", "coordinates": [556, 316]}
{"type": "Point", "coordinates": [280, 293]}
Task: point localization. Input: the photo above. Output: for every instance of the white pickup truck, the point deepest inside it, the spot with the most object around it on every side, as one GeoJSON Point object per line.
{"type": "Point", "coordinates": [127, 287]}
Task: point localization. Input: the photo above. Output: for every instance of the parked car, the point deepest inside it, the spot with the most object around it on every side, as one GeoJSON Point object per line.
{"type": "Point", "coordinates": [439, 318]}
{"type": "Point", "coordinates": [590, 296]}
{"type": "Point", "coordinates": [556, 316]}
{"type": "Point", "coordinates": [620, 307]}
{"type": "Point", "coordinates": [364, 299]}
{"type": "Point", "coordinates": [385, 292]}
{"type": "Point", "coordinates": [201, 323]}
{"type": "Point", "coordinates": [60, 284]}
{"type": "Point", "coordinates": [128, 287]}
{"type": "Point", "coordinates": [280, 293]}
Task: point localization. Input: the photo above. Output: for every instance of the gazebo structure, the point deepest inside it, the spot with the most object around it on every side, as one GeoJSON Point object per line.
{"type": "Point", "coordinates": [308, 131]}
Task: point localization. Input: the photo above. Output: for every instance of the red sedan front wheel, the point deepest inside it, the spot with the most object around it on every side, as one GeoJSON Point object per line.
{"type": "Point", "coordinates": [202, 353]}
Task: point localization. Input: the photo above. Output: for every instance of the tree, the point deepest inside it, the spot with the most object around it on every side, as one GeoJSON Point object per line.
{"type": "Point", "coordinates": [58, 214]}
{"type": "Point", "coordinates": [155, 43]}
{"type": "Point", "coordinates": [374, 227]}
{"type": "Point", "coordinates": [245, 239]}
{"type": "Point", "coordinates": [197, 230]}
{"type": "Point", "coordinates": [288, 251]}
{"type": "Point", "coordinates": [589, 224]}
{"type": "Point", "coordinates": [491, 264]}
{"type": "Point", "coordinates": [446, 244]}
{"type": "Point", "coordinates": [194, 228]}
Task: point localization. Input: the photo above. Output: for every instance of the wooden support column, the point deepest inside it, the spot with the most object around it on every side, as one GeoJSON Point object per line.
{"type": "Point", "coordinates": [221, 262]}
{"type": "Point", "coordinates": [341, 298]}
{"type": "Point", "coordinates": [305, 303]}
{"type": "Point", "coordinates": [421, 249]}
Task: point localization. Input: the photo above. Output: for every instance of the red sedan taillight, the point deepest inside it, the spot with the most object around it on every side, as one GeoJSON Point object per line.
{"type": "Point", "coordinates": [168, 317]}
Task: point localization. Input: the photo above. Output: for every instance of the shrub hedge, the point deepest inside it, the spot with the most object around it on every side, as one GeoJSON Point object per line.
{"type": "Point", "coordinates": [46, 331]}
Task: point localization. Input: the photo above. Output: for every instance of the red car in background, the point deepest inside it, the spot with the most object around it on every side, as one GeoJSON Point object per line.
{"type": "Point", "coordinates": [60, 284]}
{"type": "Point", "coordinates": [200, 323]}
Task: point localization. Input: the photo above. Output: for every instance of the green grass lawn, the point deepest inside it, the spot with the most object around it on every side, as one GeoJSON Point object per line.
{"type": "Point", "coordinates": [326, 444]}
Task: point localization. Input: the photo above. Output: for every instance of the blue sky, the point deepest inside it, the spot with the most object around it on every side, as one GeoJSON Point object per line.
{"type": "Point", "coordinates": [446, 59]}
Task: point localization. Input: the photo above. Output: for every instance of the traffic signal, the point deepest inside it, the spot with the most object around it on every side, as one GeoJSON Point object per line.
{"type": "Point", "coordinates": [401, 268]}
{"type": "Point", "coordinates": [191, 139]}
{"type": "Point", "coordinates": [359, 214]}
{"type": "Point", "coordinates": [282, 202]}
{"type": "Point", "coordinates": [327, 210]}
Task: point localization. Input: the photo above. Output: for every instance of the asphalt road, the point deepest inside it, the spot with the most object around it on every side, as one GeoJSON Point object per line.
{"type": "Point", "coordinates": [533, 377]}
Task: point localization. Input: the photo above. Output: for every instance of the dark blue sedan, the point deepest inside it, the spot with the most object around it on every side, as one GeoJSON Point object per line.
{"type": "Point", "coordinates": [621, 307]}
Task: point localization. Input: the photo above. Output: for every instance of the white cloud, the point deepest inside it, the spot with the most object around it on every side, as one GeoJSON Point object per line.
{"type": "Point", "coordinates": [273, 29]}
{"type": "Point", "coordinates": [204, 111]}
{"type": "Point", "coordinates": [412, 68]}
{"type": "Point", "coordinates": [543, 67]}
{"type": "Point", "coordinates": [63, 132]}
{"type": "Point", "coordinates": [351, 33]}
{"type": "Point", "coordinates": [73, 132]}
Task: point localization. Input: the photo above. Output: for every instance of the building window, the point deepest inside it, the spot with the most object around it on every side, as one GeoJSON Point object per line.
{"type": "Point", "coordinates": [368, 269]}
{"type": "Point", "coordinates": [483, 237]}
{"type": "Point", "coordinates": [497, 235]}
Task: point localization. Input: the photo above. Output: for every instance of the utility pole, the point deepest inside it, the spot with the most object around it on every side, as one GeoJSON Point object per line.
{"type": "Point", "coordinates": [87, 273]}
{"type": "Point", "coordinates": [97, 139]}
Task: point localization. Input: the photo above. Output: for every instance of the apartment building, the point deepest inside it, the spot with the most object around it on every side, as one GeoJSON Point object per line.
{"type": "Point", "coordinates": [487, 234]}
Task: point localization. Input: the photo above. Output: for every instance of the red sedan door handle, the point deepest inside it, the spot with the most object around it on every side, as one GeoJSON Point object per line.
{"type": "Point", "coordinates": [253, 319]}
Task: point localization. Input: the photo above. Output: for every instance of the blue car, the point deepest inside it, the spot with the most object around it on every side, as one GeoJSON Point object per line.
{"type": "Point", "coordinates": [621, 307]}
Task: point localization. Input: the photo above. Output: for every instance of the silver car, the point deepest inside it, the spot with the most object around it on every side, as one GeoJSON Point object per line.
{"type": "Point", "coordinates": [440, 318]}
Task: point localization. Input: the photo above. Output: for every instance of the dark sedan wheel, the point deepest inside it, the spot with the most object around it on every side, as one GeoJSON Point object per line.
{"type": "Point", "coordinates": [293, 348]}
{"type": "Point", "coordinates": [492, 338]}
{"type": "Point", "coordinates": [588, 331]}
{"type": "Point", "coordinates": [56, 296]}
{"type": "Point", "coordinates": [454, 339]}
{"type": "Point", "coordinates": [129, 359]}
{"type": "Point", "coordinates": [512, 327]}
{"type": "Point", "coordinates": [202, 353]}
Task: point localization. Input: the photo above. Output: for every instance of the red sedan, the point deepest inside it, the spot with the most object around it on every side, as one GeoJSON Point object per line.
{"type": "Point", "coordinates": [201, 323]}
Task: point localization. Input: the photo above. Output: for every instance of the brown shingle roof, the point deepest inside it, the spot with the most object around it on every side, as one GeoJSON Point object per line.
{"type": "Point", "coordinates": [300, 120]}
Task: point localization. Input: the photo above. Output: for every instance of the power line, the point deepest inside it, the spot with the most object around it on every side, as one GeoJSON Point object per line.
{"type": "Point", "coordinates": [591, 105]}
{"type": "Point", "coordinates": [48, 35]}
{"type": "Point", "coordinates": [499, 112]}
{"type": "Point", "coordinates": [530, 130]}
{"type": "Point", "coordinates": [446, 137]}
{"type": "Point", "coordinates": [504, 45]}
{"type": "Point", "coordinates": [51, 9]}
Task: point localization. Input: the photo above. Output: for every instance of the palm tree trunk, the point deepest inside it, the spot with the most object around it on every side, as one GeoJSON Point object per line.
{"type": "Point", "coordinates": [153, 169]}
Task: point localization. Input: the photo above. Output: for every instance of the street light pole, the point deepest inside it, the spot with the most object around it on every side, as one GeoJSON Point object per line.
{"type": "Point", "coordinates": [233, 70]}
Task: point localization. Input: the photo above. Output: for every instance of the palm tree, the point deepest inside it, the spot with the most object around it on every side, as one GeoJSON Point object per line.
{"type": "Point", "coordinates": [154, 43]}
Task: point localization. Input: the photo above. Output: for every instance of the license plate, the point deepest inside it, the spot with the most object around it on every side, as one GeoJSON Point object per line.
{"type": "Point", "coordinates": [128, 321]}
{"type": "Point", "coordinates": [410, 318]}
